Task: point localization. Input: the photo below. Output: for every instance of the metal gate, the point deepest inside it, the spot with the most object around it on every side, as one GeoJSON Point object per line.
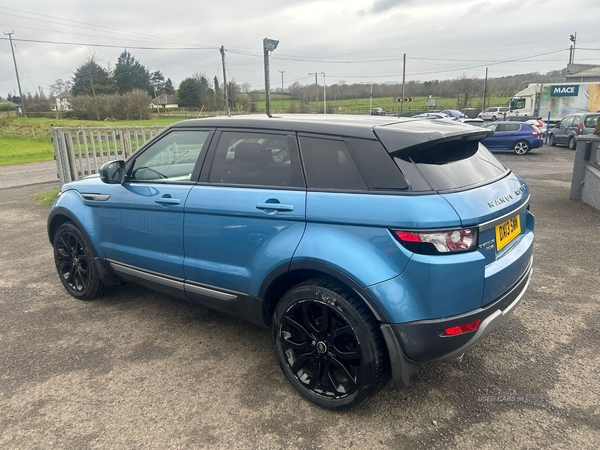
{"type": "Point", "coordinates": [81, 151]}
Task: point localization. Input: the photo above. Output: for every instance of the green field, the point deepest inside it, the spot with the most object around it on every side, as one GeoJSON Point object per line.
{"type": "Point", "coordinates": [20, 151]}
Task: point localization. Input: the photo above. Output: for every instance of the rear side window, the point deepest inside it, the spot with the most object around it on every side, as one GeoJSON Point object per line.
{"type": "Point", "coordinates": [590, 121]}
{"type": "Point", "coordinates": [329, 165]}
{"type": "Point", "coordinates": [376, 165]}
{"type": "Point", "coordinates": [576, 121]}
{"type": "Point", "coordinates": [449, 166]}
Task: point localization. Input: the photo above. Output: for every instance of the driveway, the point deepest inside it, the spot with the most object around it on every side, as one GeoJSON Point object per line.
{"type": "Point", "coordinates": [137, 369]}
{"type": "Point", "coordinates": [28, 174]}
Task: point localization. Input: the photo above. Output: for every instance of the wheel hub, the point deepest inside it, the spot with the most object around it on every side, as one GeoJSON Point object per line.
{"type": "Point", "coordinates": [321, 347]}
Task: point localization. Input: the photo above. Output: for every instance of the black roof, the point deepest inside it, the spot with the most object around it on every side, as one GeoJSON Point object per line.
{"type": "Point", "coordinates": [395, 133]}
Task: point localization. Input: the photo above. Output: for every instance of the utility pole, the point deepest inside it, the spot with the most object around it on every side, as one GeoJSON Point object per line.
{"type": "Point", "coordinates": [484, 89]}
{"type": "Point", "coordinates": [573, 39]}
{"type": "Point", "coordinates": [16, 71]}
{"type": "Point", "coordinates": [225, 81]}
{"type": "Point", "coordinates": [403, 80]}
{"type": "Point", "coordinates": [282, 72]}
{"type": "Point", "coordinates": [324, 94]}
{"type": "Point", "coordinates": [317, 87]}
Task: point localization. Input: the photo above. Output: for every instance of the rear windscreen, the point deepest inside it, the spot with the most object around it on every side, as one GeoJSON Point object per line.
{"type": "Point", "coordinates": [448, 166]}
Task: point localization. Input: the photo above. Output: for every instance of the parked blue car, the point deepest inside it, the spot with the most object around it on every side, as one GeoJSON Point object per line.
{"type": "Point", "coordinates": [367, 244]}
{"type": "Point", "coordinates": [454, 114]}
{"type": "Point", "coordinates": [519, 137]}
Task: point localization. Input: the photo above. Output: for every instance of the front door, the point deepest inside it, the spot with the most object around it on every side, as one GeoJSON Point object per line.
{"type": "Point", "coordinates": [142, 220]}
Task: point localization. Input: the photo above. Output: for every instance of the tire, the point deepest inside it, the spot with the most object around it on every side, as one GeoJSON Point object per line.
{"type": "Point", "coordinates": [493, 118]}
{"type": "Point", "coordinates": [328, 345]}
{"type": "Point", "coordinates": [552, 140]}
{"type": "Point", "coordinates": [74, 259]}
{"type": "Point", "coordinates": [572, 143]}
{"type": "Point", "coordinates": [521, 147]}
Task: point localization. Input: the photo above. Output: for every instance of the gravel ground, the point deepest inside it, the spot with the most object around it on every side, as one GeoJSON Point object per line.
{"type": "Point", "coordinates": [136, 369]}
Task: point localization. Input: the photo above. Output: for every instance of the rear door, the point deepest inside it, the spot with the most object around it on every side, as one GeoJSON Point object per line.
{"type": "Point", "coordinates": [247, 214]}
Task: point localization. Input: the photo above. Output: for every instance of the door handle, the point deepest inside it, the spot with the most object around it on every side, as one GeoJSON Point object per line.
{"type": "Point", "coordinates": [168, 201]}
{"type": "Point", "coordinates": [275, 206]}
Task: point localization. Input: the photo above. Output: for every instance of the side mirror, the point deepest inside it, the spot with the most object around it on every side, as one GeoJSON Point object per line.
{"type": "Point", "coordinates": [113, 172]}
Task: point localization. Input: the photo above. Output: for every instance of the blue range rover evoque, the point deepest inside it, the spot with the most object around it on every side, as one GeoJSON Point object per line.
{"type": "Point", "coordinates": [367, 244]}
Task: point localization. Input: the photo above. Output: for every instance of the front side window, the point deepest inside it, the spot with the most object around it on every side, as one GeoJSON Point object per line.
{"type": "Point", "coordinates": [170, 159]}
{"type": "Point", "coordinates": [257, 159]}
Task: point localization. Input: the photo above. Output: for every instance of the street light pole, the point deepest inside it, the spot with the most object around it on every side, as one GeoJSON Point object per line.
{"type": "Point", "coordinates": [16, 71]}
{"type": "Point", "coordinates": [317, 87]}
{"type": "Point", "coordinates": [324, 94]}
{"type": "Point", "coordinates": [282, 72]}
{"type": "Point", "coordinates": [268, 46]}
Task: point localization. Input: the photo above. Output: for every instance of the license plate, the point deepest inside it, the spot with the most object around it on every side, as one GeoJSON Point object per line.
{"type": "Point", "coordinates": [507, 231]}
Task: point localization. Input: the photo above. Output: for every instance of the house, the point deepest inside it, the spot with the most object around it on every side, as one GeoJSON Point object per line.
{"type": "Point", "coordinates": [62, 102]}
{"type": "Point", "coordinates": [164, 101]}
{"type": "Point", "coordinates": [3, 101]}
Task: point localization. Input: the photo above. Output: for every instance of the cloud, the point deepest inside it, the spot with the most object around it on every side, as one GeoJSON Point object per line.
{"type": "Point", "coordinates": [381, 6]}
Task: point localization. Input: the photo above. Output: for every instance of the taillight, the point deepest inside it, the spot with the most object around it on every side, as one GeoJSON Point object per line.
{"type": "Point", "coordinates": [580, 129]}
{"type": "Point", "coordinates": [434, 242]}
{"type": "Point", "coordinates": [462, 329]}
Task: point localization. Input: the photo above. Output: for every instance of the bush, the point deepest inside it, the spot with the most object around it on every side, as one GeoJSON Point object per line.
{"type": "Point", "coordinates": [130, 106]}
{"type": "Point", "coordinates": [6, 107]}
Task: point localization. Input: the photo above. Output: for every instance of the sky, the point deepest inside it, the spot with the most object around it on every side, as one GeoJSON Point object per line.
{"type": "Point", "coordinates": [349, 41]}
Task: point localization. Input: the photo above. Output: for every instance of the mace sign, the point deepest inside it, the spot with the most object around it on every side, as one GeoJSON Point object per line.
{"type": "Point", "coordinates": [564, 90]}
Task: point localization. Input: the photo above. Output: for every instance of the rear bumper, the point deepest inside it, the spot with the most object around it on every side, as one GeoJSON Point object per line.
{"type": "Point", "coordinates": [414, 342]}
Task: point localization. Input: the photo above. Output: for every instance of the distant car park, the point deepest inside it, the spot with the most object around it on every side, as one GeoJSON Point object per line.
{"type": "Point", "coordinates": [493, 113]}
{"type": "Point", "coordinates": [515, 136]}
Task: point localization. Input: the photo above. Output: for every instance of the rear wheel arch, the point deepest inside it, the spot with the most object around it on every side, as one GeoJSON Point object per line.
{"type": "Point", "coordinates": [285, 278]}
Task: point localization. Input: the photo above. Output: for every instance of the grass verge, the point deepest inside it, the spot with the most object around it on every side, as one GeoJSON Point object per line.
{"type": "Point", "coordinates": [45, 198]}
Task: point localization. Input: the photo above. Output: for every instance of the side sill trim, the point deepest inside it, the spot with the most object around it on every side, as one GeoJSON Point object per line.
{"type": "Point", "coordinates": [148, 276]}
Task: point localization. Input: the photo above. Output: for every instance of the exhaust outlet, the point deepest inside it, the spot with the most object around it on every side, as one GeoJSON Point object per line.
{"type": "Point", "coordinates": [456, 359]}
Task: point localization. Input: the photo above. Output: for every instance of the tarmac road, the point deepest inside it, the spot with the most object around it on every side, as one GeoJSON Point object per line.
{"type": "Point", "coordinates": [136, 369]}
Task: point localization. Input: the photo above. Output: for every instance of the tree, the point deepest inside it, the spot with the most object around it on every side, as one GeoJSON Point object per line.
{"type": "Point", "coordinates": [465, 88]}
{"type": "Point", "coordinates": [60, 86]}
{"type": "Point", "coordinates": [190, 93]}
{"type": "Point", "coordinates": [169, 89]}
{"type": "Point", "coordinates": [91, 79]}
{"type": "Point", "coordinates": [157, 80]}
{"type": "Point", "coordinates": [129, 74]}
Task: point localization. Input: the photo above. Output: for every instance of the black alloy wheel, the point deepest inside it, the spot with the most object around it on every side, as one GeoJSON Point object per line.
{"type": "Point", "coordinates": [74, 260]}
{"type": "Point", "coordinates": [328, 345]}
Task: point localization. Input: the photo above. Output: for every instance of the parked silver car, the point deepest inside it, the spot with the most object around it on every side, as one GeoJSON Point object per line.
{"type": "Point", "coordinates": [566, 131]}
{"type": "Point", "coordinates": [493, 113]}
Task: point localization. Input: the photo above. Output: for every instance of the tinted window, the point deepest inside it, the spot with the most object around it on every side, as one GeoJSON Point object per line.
{"type": "Point", "coordinates": [172, 158]}
{"type": "Point", "coordinates": [512, 127]}
{"type": "Point", "coordinates": [376, 164]}
{"type": "Point", "coordinates": [329, 165]}
{"type": "Point", "coordinates": [259, 159]}
{"type": "Point", "coordinates": [451, 165]}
